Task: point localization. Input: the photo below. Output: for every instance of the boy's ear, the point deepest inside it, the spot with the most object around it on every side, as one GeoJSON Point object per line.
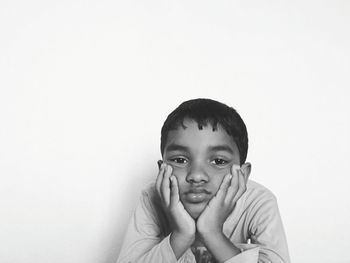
{"type": "Point", "coordinates": [246, 169]}
{"type": "Point", "coordinates": [159, 163]}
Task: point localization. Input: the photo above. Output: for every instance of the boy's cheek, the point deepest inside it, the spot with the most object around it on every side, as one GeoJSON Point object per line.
{"type": "Point", "coordinates": [179, 173]}
{"type": "Point", "coordinates": [181, 183]}
{"type": "Point", "coordinates": [181, 180]}
{"type": "Point", "coordinates": [217, 180]}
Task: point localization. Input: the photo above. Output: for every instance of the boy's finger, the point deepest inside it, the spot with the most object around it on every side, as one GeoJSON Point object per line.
{"type": "Point", "coordinates": [242, 186]}
{"type": "Point", "coordinates": [232, 190]}
{"type": "Point", "coordinates": [174, 195]}
{"type": "Point", "coordinates": [159, 162]}
{"type": "Point", "coordinates": [245, 176]}
{"type": "Point", "coordinates": [165, 186]}
{"type": "Point", "coordinates": [160, 178]}
{"type": "Point", "coordinates": [235, 180]}
{"type": "Point", "coordinates": [224, 186]}
{"type": "Point", "coordinates": [244, 182]}
{"type": "Point", "coordinates": [234, 169]}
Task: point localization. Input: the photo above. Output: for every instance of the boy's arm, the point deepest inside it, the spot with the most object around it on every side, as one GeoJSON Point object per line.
{"type": "Point", "coordinates": [266, 230]}
{"type": "Point", "coordinates": [210, 223]}
{"type": "Point", "coordinates": [144, 240]}
{"type": "Point", "coordinates": [268, 240]}
{"type": "Point", "coordinates": [265, 227]}
{"type": "Point", "coordinates": [182, 224]}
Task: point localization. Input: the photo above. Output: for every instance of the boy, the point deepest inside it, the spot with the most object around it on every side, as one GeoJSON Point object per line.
{"type": "Point", "coordinates": [202, 207]}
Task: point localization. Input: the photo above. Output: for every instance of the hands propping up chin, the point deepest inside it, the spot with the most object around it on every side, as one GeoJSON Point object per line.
{"type": "Point", "coordinates": [182, 224]}
{"type": "Point", "coordinates": [168, 190]}
{"type": "Point", "coordinates": [232, 187]}
{"type": "Point", "coordinates": [211, 220]}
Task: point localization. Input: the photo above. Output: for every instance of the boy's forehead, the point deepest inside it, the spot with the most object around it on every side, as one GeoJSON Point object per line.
{"type": "Point", "coordinates": [191, 132]}
{"type": "Point", "coordinates": [189, 123]}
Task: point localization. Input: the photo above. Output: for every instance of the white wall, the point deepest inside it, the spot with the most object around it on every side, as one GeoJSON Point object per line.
{"type": "Point", "coordinates": [86, 85]}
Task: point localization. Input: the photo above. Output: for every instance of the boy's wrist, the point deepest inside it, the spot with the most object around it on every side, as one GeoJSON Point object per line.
{"type": "Point", "coordinates": [180, 242]}
{"type": "Point", "coordinates": [210, 235]}
{"type": "Point", "coordinates": [219, 246]}
{"type": "Point", "coordinates": [183, 237]}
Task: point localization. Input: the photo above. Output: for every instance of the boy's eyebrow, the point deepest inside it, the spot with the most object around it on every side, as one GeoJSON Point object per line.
{"type": "Point", "coordinates": [217, 148]}
{"type": "Point", "coordinates": [177, 147]}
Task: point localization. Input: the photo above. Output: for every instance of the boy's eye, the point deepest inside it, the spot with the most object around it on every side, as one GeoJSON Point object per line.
{"type": "Point", "coordinates": [219, 161]}
{"type": "Point", "coordinates": [179, 160]}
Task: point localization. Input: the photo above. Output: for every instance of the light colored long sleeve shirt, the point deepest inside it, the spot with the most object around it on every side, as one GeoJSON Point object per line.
{"type": "Point", "coordinates": [254, 226]}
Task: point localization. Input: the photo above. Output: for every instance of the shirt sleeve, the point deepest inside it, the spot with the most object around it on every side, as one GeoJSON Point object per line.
{"type": "Point", "coordinates": [266, 231]}
{"type": "Point", "coordinates": [267, 237]}
{"type": "Point", "coordinates": [249, 254]}
{"type": "Point", "coordinates": [143, 241]}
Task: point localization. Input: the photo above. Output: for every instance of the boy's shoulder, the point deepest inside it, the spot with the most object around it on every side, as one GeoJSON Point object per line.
{"type": "Point", "coordinates": [149, 190]}
{"type": "Point", "coordinates": [149, 197]}
{"type": "Point", "coordinates": [253, 186]}
{"type": "Point", "coordinates": [257, 193]}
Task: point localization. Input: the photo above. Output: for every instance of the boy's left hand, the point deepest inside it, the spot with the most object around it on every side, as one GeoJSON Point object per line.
{"type": "Point", "coordinates": [232, 187]}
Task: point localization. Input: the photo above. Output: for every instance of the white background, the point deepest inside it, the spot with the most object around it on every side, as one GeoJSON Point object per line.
{"type": "Point", "coordinates": [86, 85]}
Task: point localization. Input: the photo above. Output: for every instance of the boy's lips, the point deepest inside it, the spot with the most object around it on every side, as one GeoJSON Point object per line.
{"type": "Point", "coordinates": [197, 195]}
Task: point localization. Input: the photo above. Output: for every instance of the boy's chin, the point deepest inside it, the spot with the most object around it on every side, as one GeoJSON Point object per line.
{"type": "Point", "coordinates": [195, 210]}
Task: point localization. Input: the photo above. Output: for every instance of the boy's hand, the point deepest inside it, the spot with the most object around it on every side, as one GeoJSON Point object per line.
{"type": "Point", "coordinates": [211, 221]}
{"type": "Point", "coordinates": [183, 225]}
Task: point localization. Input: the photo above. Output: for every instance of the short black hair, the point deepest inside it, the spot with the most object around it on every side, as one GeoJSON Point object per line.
{"type": "Point", "coordinates": [204, 112]}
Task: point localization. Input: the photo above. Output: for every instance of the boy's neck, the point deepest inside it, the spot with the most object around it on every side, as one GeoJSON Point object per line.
{"type": "Point", "coordinates": [197, 242]}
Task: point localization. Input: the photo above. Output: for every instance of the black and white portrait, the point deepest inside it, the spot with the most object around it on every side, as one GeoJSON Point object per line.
{"type": "Point", "coordinates": [85, 88]}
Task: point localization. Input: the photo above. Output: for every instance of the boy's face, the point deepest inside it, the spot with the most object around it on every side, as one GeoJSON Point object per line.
{"type": "Point", "coordinates": [200, 159]}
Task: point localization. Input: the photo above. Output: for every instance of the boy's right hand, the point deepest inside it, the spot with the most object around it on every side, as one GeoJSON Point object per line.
{"type": "Point", "coordinates": [183, 225]}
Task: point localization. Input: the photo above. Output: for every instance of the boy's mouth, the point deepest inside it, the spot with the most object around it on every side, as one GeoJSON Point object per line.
{"type": "Point", "coordinates": [197, 195]}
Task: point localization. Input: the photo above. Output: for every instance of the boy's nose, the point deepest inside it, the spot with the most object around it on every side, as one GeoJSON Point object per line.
{"type": "Point", "coordinates": [197, 174]}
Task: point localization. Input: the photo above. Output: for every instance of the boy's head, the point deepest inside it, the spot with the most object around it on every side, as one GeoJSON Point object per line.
{"type": "Point", "coordinates": [208, 112]}
{"type": "Point", "coordinates": [203, 140]}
